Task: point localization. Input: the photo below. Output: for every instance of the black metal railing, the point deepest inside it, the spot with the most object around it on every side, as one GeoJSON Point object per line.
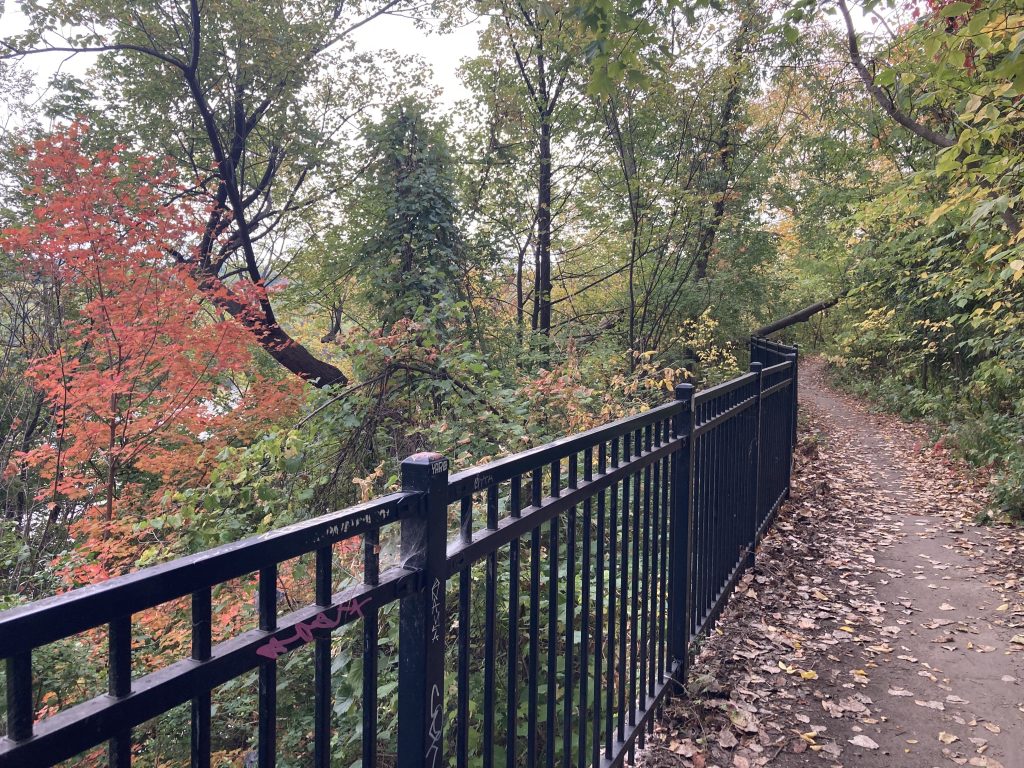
{"type": "Point", "coordinates": [546, 603]}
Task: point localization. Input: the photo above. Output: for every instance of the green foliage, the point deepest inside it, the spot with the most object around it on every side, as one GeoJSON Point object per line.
{"type": "Point", "coordinates": [410, 258]}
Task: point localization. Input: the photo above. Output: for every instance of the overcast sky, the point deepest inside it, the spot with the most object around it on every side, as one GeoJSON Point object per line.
{"type": "Point", "coordinates": [442, 53]}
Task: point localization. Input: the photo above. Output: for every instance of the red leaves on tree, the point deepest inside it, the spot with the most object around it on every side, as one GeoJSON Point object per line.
{"type": "Point", "coordinates": [147, 373]}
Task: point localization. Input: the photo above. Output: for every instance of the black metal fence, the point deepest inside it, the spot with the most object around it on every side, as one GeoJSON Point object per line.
{"type": "Point", "coordinates": [546, 602]}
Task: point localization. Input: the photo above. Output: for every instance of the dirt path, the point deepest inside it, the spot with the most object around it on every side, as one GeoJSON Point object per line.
{"type": "Point", "coordinates": [882, 627]}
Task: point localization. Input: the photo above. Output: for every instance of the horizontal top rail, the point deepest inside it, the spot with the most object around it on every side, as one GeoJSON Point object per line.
{"type": "Point", "coordinates": [774, 345]}
{"type": "Point", "coordinates": [777, 368]}
{"type": "Point", "coordinates": [54, 618]}
{"type": "Point", "coordinates": [709, 394]}
{"type": "Point", "coordinates": [484, 476]}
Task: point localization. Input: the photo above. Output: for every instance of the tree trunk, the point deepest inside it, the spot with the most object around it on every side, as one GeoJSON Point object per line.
{"type": "Point", "coordinates": [725, 152]}
{"type": "Point", "coordinates": [544, 229]}
{"type": "Point", "coordinates": [271, 336]}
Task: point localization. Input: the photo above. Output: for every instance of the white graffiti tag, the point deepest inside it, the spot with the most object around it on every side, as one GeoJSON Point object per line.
{"type": "Point", "coordinates": [433, 755]}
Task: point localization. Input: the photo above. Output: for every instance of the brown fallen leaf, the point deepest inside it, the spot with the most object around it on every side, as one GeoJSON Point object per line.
{"type": "Point", "coordinates": [947, 738]}
{"type": "Point", "coordinates": [866, 742]}
{"type": "Point", "coordinates": [727, 739]}
{"type": "Point", "coordinates": [984, 762]}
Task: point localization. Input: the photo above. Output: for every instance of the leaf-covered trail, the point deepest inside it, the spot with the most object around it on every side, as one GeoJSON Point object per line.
{"type": "Point", "coordinates": [881, 628]}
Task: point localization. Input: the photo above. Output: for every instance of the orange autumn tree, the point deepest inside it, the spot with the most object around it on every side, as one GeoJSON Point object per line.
{"type": "Point", "coordinates": [147, 374]}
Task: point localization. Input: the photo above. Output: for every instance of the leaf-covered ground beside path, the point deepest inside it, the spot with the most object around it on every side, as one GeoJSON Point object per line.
{"type": "Point", "coordinates": [882, 627]}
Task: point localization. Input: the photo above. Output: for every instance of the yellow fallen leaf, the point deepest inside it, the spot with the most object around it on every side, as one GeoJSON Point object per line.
{"type": "Point", "coordinates": [809, 674]}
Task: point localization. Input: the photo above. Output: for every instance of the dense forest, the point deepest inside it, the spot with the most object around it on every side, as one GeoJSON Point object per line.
{"type": "Point", "coordinates": [247, 266]}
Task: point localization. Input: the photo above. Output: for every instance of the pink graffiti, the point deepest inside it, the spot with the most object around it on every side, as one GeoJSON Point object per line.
{"type": "Point", "coordinates": [274, 647]}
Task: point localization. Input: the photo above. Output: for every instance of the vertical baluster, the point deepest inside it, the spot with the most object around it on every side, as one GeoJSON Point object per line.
{"type": "Point", "coordinates": [19, 696]}
{"type": "Point", "coordinates": [704, 508]}
{"type": "Point", "coordinates": [119, 683]}
{"type": "Point", "coordinates": [568, 685]}
{"type": "Point", "coordinates": [645, 595]}
{"type": "Point", "coordinates": [462, 702]}
{"type": "Point", "coordinates": [613, 518]}
{"type": "Point", "coordinates": [624, 596]}
{"type": "Point", "coordinates": [466, 519]}
{"type": "Point", "coordinates": [199, 747]}
{"type": "Point", "coordinates": [465, 629]}
{"type": "Point", "coordinates": [267, 726]}
{"type": "Point", "coordinates": [534, 645]}
{"type": "Point", "coordinates": [551, 726]}
{"type": "Point", "coordinates": [371, 634]}
{"type": "Point", "coordinates": [490, 627]}
{"type": "Point", "coordinates": [634, 608]}
{"type": "Point", "coordinates": [665, 543]}
{"type": "Point", "coordinates": [599, 613]}
{"type": "Point", "coordinates": [587, 533]}
{"type": "Point", "coordinates": [728, 524]}
{"type": "Point", "coordinates": [512, 681]}
{"type": "Point", "coordinates": [720, 521]}
{"type": "Point", "coordinates": [710, 501]}
{"type": "Point", "coordinates": [322, 669]}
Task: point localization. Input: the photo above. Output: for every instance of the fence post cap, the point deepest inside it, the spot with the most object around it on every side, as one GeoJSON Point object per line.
{"type": "Point", "coordinates": [756, 367]}
{"type": "Point", "coordinates": [421, 470]}
{"type": "Point", "coordinates": [684, 391]}
{"type": "Point", "coordinates": [425, 457]}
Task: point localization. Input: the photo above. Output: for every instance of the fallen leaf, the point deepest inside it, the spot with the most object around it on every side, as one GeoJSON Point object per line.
{"type": "Point", "coordinates": [864, 741]}
{"type": "Point", "coordinates": [947, 738]}
{"type": "Point", "coordinates": [985, 762]}
{"type": "Point", "coordinates": [727, 739]}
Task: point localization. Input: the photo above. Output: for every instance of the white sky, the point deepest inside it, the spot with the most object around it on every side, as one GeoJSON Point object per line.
{"type": "Point", "coordinates": [443, 53]}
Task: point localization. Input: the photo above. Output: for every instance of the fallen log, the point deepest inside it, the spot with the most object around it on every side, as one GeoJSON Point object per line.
{"type": "Point", "coordinates": [797, 317]}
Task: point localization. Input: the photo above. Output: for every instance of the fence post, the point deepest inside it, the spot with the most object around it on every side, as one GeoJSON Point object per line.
{"type": "Point", "coordinates": [421, 631]}
{"type": "Point", "coordinates": [680, 604]}
{"type": "Point", "coordinates": [792, 435]}
{"type": "Point", "coordinates": [796, 387]}
{"type": "Point", "coordinates": [756, 368]}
